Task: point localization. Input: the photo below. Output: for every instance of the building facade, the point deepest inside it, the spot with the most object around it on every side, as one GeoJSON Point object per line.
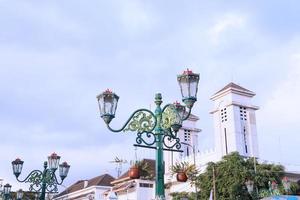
{"type": "Point", "coordinates": [92, 189]}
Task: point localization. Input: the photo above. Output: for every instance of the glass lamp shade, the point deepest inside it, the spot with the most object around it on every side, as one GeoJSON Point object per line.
{"type": "Point", "coordinates": [53, 161]}
{"type": "Point", "coordinates": [20, 194]}
{"type": "Point", "coordinates": [108, 102]}
{"type": "Point", "coordinates": [249, 184]}
{"type": "Point", "coordinates": [6, 189]}
{"type": "Point", "coordinates": [176, 120]}
{"type": "Point", "coordinates": [188, 82]}
{"type": "Point", "coordinates": [63, 170]}
{"type": "Point", "coordinates": [17, 166]}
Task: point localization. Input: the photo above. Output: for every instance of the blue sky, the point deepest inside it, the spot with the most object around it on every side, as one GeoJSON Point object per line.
{"type": "Point", "coordinates": [56, 56]}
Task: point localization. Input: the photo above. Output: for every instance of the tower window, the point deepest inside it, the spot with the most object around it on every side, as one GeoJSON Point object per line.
{"type": "Point", "coordinates": [243, 113]}
{"type": "Point", "coordinates": [223, 115]}
{"type": "Point", "coordinates": [187, 135]}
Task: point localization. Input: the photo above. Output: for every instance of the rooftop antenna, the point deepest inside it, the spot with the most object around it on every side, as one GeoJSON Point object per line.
{"type": "Point", "coordinates": [119, 162]}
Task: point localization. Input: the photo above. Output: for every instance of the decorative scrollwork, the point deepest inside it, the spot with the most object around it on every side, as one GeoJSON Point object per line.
{"type": "Point", "coordinates": [170, 141]}
{"type": "Point", "coordinates": [169, 116]}
{"type": "Point", "coordinates": [51, 182]}
{"type": "Point", "coordinates": [36, 179]}
{"type": "Point", "coordinates": [141, 122]}
{"type": "Point", "coordinates": [149, 138]}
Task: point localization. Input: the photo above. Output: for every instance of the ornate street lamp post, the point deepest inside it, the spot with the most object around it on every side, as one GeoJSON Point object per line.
{"type": "Point", "coordinates": [46, 180]}
{"type": "Point", "coordinates": [158, 129]}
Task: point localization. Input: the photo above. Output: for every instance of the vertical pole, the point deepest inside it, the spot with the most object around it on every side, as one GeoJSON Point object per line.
{"type": "Point", "coordinates": [194, 153]}
{"type": "Point", "coordinates": [44, 183]}
{"type": "Point", "coordinates": [159, 165]}
{"type": "Point", "coordinates": [254, 161]}
{"type": "Point", "coordinates": [214, 184]}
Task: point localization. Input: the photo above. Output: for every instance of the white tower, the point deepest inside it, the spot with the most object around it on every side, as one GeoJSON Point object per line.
{"type": "Point", "coordinates": [234, 121]}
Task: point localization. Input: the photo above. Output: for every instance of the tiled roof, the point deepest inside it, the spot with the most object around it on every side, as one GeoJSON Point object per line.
{"type": "Point", "coordinates": [103, 180]}
{"type": "Point", "coordinates": [234, 86]}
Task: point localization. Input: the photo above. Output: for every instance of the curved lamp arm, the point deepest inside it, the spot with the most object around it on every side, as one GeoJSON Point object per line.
{"type": "Point", "coordinates": [131, 117]}
{"type": "Point", "coordinates": [29, 175]}
{"type": "Point", "coordinates": [167, 105]}
{"type": "Point", "coordinates": [189, 113]}
{"type": "Point", "coordinates": [185, 117]}
{"type": "Point", "coordinates": [55, 179]}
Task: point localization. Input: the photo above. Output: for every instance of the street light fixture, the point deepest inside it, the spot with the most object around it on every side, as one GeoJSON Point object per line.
{"type": "Point", "coordinates": [6, 191]}
{"type": "Point", "coordinates": [158, 129]}
{"type": "Point", "coordinates": [20, 194]}
{"type": "Point", "coordinates": [250, 185]}
{"type": "Point", "coordinates": [46, 180]}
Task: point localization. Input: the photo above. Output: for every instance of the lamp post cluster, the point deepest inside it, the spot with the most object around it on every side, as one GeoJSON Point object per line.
{"type": "Point", "coordinates": [158, 129]}
{"type": "Point", "coordinates": [42, 181]}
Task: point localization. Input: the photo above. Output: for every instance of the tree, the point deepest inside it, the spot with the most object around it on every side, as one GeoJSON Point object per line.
{"type": "Point", "coordinates": [231, 174]}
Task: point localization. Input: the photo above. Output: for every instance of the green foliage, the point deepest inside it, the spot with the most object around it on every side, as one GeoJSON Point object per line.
{"type": "Point", "coordinates": [144, 168]}
{"type": "Point", "coordinates": [294, 187]}
{"type": "Point", "coordinates": [231, 174]}
{"type": "Point", "coordinates": [182, 195]}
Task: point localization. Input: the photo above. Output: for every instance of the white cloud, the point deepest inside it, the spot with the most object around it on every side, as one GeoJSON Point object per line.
{"type": "Point", "coordinates": [136, 17]}
{"type": "Point", "coordinates": [227, 22]}
{"type": "Point", "coordinates": [279, 118]}
{"type": "Point", "coordinates": [283, 103]}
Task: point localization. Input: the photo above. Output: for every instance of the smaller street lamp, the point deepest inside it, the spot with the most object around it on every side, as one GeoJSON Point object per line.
{"type": "Point", "coordinates": [249, 184]}
{"type": "Point", "coordinates": [6, 191]}
{"type": "Point", "coordinates": [46, 180]}
{"type": "Point", "coordinates": [20, 194]}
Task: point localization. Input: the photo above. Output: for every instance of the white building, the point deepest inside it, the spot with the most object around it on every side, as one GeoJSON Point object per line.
{"type": "Point", "coordinates": [234, 130]}
{"type": "Point", "coordinates": [134, 189]}
{"type": "Point", "coordinates": [92, 189]}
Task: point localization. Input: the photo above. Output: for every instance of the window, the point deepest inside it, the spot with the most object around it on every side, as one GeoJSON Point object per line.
{"type": "Point", "coordinates": [187, 135]}
{"type": "Point", "coordinates": [223, 115]}
{"type": "Point", "coordinates": [243, 113]}
{"type": "Point", "coordinates": [146, 185]}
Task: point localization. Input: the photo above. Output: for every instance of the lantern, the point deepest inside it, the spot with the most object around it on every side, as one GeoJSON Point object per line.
{"type": "Point", "coordinates": [188, 82]}
{"type": "Point", "coordinates": [249, 184]}
{"type": "Point", "coordinates": [17, 166]}
{"type": "Point", "coordinates": [108, 102]}
{"type": "Point", "coordinates": [20, 194]}
{"type": "Point", "coordinates": [63, 170]}
{"type": "Point", "coordinates": [6, 189]}
{"type": "Point", "coordinates": [53, 161]}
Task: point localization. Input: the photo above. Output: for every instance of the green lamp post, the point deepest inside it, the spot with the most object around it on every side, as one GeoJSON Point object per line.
{"type": "Point", "coordinates": [158, 129]}
{"type": "Point", "coordinates": [46, 180]}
